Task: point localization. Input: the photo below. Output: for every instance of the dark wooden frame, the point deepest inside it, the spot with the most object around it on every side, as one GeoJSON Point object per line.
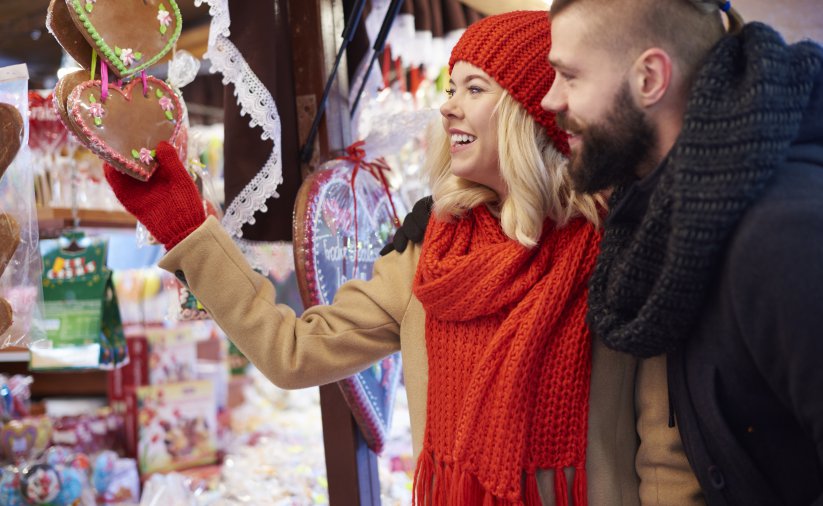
{"type": "Point", "coordinates": [317, 27]}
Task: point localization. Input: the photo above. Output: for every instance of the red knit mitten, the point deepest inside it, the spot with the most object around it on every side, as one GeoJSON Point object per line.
{"type": "Point", "coordinates": [168, 204]}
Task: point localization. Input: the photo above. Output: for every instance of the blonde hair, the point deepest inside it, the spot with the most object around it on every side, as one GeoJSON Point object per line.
{"type": "Point", "coordinates": [534, 172]}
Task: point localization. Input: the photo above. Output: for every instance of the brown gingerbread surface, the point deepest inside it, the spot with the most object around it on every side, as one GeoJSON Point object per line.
{"type": "Point", "coordinates": [62, 27]}
{"type": "Point", "coordinates": [125, 128]}
{"type": "Point", "coordinates": [61, 94]}
{"type": "Point", "coordinates": [11, 135]}
{"type": "Point", "coordinates": [127, 25]}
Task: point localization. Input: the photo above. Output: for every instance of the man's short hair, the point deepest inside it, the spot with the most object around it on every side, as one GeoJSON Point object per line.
{"type": "Point", "coordinates": [686, 29]}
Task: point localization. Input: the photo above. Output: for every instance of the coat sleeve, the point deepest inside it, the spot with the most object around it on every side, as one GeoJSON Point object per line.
{"type": "Point", "coordinates": [326, 343]}
{"type": "Point", "coordinates": [666, 478]}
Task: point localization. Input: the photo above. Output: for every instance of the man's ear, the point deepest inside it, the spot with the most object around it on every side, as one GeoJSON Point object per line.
{"type": "Point", "coordinates": [651, 76]}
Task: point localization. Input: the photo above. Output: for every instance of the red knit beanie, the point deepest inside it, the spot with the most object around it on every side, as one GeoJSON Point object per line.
{"type": "Point", "coordinates": [513, 49]}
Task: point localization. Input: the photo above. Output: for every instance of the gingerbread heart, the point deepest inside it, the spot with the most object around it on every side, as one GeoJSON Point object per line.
{"type": "Point", "coordinates": [129, 35]}
{"type": "Point", "coordinates": [64, 87]}
{"type": "Point", "coordinates": [9, 239]}
{"type": "Point", "coordinates": [124, 129]}
{"type": "Point", "coordinates": [17, 439]}
{"type": "Point", "coordinates": [6, 317]}
{"type": "Point", "coordinates": [11, 135]}
{"type": "Point", "coordinates": [61, 26]}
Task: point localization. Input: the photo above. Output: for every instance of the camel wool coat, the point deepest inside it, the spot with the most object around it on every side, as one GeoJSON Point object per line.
{"type": "Point", "coordinates": [633, 456]}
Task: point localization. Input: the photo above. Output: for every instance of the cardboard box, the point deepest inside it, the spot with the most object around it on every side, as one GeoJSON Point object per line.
{"type": "Point", "coordinates": [176, 426]}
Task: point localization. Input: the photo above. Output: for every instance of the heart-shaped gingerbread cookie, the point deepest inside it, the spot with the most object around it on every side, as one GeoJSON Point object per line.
{"type": "Point", "coordinates": [61, 26]}
{"type": "Point", "coordinates": [129, 35]}
{"type": "Point", "coordinates": [124, 130]}
{"type": "Point", "coordinates": [11, 135]}
{"type": "Point", "coordinates": [64, 87]}
{"type": "Point", "coordinates": [6, 317]}
{"type": "Point", "coordinates": [17, 439]}
{"type": "Point", "coordinates": [9, 240]}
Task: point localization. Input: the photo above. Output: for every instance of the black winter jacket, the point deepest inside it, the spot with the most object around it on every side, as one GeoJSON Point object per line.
{"type": "Point", "coordinates": [747, 387]}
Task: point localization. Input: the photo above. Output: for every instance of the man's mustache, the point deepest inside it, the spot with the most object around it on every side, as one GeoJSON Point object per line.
{"type": "Point", "coordinates": [567, 124]}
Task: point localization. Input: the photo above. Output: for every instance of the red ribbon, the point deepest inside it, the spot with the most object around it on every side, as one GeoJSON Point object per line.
{"type": "Point", "coordinates": [377, 168]}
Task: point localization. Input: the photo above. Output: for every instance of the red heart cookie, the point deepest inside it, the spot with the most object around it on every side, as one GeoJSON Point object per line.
{"type": "Point", "coordinates": [129, 35]}
{"type": "Point", "coordinates": [61, 26]}
{"type": "Point", "coordinates": [11, 135]}
{"type": "Point", "coordinates": [124, 129]}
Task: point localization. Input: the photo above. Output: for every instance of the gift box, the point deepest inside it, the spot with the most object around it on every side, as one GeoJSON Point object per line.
{"type": "Point", "coordinates": [176, 426]}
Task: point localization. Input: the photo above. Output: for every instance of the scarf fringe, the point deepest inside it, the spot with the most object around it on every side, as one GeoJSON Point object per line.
{"type": "Point", "coordinates": [442, 484]}
{"type": "Point", "coordinates": [532, 490]}
{"type": "Point", "coordinates": [561, 488]}
{"type": "Point", "coordinates": [422, 485]}
{"type": "Point", "coordinates": [581, 487]}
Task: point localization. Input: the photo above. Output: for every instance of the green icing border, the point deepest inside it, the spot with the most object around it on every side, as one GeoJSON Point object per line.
{"type": "Point", "coordinates": [108, 52]}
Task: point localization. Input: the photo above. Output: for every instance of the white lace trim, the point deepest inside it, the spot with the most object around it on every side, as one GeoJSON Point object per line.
{"type": "Point", "coordinates": [256, 101]}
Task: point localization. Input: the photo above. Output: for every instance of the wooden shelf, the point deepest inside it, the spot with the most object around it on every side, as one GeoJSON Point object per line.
{"type": "Point", "coordinates": [14, 354]}
{"type": "Point", "coordinates": [53, 220]}
{"type": "Point", "coordinates": [80, 383]}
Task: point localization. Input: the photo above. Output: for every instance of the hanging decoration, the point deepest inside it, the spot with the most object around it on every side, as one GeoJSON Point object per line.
{"type": "Point", "coordinates": [255, 100]}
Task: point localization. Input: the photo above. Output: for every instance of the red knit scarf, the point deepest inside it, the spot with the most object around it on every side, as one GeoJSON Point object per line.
{"type": "Point", "coordinates": [509, 361]}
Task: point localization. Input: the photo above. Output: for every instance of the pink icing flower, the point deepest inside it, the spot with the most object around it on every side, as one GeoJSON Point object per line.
{"type": "Point", "coordinates": [166, 104]}
{"type": "Point", "coordinates": [145, 156]}
{"type": "Point", "coordinates": [96, 109]}
{"type": "Point", "coordinates": [127, 56]}
{"type": "Point", "coordinates": [164, 17]}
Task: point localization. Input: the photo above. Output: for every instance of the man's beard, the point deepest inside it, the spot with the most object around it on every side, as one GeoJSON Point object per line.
{"type": "Point", "coordinates": [613, 151]}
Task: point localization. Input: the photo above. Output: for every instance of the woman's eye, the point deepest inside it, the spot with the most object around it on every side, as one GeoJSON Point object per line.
{"type": "Point", "coordinates": [450, 92]}
{"type": "Point", "coordinates": [474, 90]}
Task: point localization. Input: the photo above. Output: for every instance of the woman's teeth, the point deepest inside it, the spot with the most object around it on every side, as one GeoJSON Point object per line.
{"type": "Point", "coordinates": [462, 139]}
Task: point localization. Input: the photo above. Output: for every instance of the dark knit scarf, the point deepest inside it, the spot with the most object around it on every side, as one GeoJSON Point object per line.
{"type": "Point", "coordinates": [654, 273]}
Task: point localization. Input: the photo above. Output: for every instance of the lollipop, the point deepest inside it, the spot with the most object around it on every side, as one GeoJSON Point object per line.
{"type": "Point", "coordinates": [40, 484]}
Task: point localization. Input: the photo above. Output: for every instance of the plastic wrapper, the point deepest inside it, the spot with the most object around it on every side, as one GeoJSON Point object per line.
{"type": "Point", "coordinates": [83, 324]}
{"type": "Point", "coordinates": [345, 214]}
{"type": "Point", "coordinates": [63, 477]}
{"type": "Point", "coordinates": [20, 280]}
{"type": "Point", "coordinates": [15, 396]}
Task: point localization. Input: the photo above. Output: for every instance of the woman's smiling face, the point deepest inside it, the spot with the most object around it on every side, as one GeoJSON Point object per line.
{"type": "Point", "coordinates": [470, 122]}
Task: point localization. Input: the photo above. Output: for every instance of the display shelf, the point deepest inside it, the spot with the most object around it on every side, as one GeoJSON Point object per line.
{"type": "Point", "coordinates": [53, 220]}
{"type": "Point", "coordinates": [14, 354]}
{"type": "Point", "coordinates": [79, 383]}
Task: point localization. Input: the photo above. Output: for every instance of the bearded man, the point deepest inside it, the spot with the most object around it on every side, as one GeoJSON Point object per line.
{"type": "Point", "coordinates": [711, 138]}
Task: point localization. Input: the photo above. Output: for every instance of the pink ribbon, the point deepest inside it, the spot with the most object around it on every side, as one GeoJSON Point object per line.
{"type": "Point", "coordinates": [145, 85]}
{"type": "Point", "coordinates": [104, 80]}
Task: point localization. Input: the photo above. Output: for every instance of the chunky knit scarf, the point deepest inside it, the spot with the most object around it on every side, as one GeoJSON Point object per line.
{"type": "Point", "coordinates": [655, 271]}
{"type": "Point", "coordinates": [509, 358]}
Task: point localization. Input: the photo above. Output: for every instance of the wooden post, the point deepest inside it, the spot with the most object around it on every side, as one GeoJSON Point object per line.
{"type": "Point", "coordinates": [317, 28]}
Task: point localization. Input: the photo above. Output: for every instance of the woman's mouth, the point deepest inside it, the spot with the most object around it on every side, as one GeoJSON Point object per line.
{"type": "Point", "coordinates": [459, 142]}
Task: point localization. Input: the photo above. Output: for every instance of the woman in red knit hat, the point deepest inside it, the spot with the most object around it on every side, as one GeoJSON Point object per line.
{"type": "Point", "coordinates": [511, 400]}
